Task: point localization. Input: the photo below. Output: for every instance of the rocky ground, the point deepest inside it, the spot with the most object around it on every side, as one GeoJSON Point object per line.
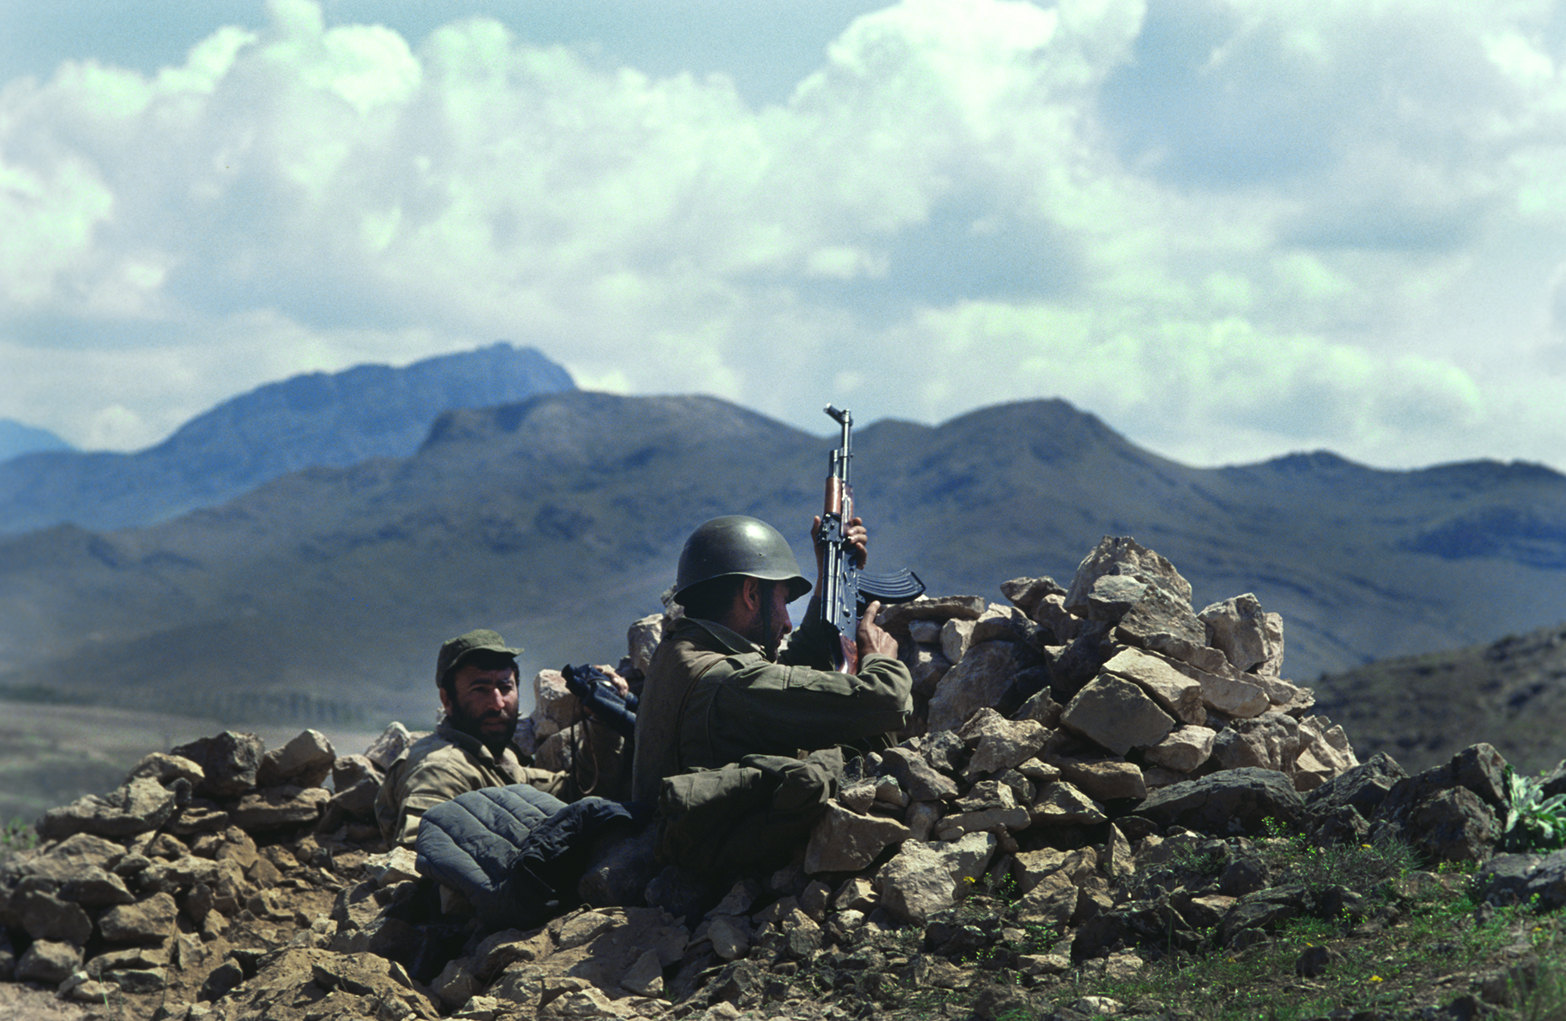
{"type": "Point", "coordinates": [1112, 804]}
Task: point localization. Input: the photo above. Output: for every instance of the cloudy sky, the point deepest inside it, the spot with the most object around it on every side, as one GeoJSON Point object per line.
{"type": "Point", "coordinates": [1230, 228]}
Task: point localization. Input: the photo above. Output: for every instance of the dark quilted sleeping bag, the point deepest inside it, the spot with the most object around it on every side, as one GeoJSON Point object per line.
{"type": "Point", "coordinates": [515, 852]}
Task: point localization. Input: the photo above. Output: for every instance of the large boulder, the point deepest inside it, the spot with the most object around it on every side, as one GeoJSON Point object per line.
{"type": "Point", "coordinates": [1026, 594]}
{"type": "Point", "coordinates": [1161, 623]}
{"type": "Point", "coordinates": [922, 879]}
{"type": "Point", "coordinates": [1478, 769]}
{"type": "Point", "coordinates": [1269, 741]}
{"type": "Point", "coordinates": [1123, 555]}
{"type": "Point", "coordinates": [228, 762]}
{"type": "Point", "coordinates": [1452, 826]}
{"type": "Point", "coordinates": [1176, 693]}
{"type": "Point", "coordinates": [1235, 801]}
{"type": "Point", "coordinates": [139, 806]}
{"type": "Point", "coordinates": [846, 841]}
{"type": "Point", "coordinates": [1117, 714]}
{"type": "Point", "coordinates": [1251, 638]}
{"type": "Point", "coordinates": [977, 682]}
{"type": "Point", "coordinates": [1535, 879]}
{"type": "Point", "coordinates": [305, 761]}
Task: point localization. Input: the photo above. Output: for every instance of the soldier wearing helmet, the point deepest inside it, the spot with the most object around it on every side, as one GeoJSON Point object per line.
{"type": "Point", "coordinates": [721, 685]}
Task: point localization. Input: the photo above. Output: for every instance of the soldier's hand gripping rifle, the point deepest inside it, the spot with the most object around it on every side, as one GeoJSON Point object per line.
{"type": "Point", "coordinates": [846, 589]}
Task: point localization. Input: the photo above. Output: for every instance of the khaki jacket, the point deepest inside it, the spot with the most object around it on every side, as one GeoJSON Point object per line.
{"type": "Point", "coordinates": [711, 697]}
{"type": "Point", "coordinates": [438, 767]}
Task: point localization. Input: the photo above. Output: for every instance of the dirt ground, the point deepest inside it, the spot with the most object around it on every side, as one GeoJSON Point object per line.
{"type": "Point", "coordinates": [27, 1002]}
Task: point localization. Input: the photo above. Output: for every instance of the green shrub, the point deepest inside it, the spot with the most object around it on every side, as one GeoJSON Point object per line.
{"type": "Point", "coordinates": [1362, 868]}
{"type": "Point", "coordinates": [16, 836]}
{"type": "Point", "coordinates": [1533, 821]}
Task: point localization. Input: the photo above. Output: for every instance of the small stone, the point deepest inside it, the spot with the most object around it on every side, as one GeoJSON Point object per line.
{"type": "Point", "coordinates": [144, 922]}
{"type": "Point", "coordinates": [645, 977]}
{"type": "Point", "coordinates": [48, 962]}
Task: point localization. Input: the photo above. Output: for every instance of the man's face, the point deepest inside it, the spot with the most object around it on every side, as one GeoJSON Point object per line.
{"type": "Point", "coordinates": [771, 622]}
{"type": "Point", "coordinates": [483, 702]}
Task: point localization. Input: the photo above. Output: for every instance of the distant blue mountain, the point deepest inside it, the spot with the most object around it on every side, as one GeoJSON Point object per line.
{"type": "Point", "coordinates": [17, 438]}
{"type": "Point", "coordinates": [308, 421]}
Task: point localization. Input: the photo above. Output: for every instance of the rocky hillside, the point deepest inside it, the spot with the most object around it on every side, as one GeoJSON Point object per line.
{"type": "Point", "coordinates": [1103, 784]}
{"type": "Point", "coordinates": [308, 421]}
{"type": "Point", "coordinates": [1422, 709]}
{"type": "Point", "coordinates": [555, 519]}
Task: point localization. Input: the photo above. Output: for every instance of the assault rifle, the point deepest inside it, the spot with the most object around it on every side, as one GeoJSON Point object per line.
{"type": "Point", "coordinates": [845, 589]}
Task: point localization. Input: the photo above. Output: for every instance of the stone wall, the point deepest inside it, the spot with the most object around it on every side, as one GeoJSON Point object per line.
{"type": "Point", "coordinates": [1063, 740]}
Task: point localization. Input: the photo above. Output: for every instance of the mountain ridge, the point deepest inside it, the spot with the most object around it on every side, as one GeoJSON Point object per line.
{"type": "Point", "coordinates": [1512, 689]}
{"type": "Point", "coordinates": [309, 420]}
{"type": "Point", "coordinates": [558, 520]}
{"type": "Point", "coordinates": [18, 438]}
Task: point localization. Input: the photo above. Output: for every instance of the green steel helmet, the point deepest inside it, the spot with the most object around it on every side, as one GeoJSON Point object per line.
{"type": "Point", "coordinates": [738, 545]}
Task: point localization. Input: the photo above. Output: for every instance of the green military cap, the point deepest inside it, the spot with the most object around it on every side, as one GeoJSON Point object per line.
{"type": "Point", "coordinates": [460, 648]}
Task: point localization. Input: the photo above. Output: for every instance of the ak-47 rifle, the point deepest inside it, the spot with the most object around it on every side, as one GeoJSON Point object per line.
{"type": "Point", "coordinates": [845, 589]}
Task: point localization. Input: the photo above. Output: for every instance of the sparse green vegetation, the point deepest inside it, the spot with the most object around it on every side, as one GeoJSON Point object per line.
{"type": "Point", "coordinates": [1420, 943]}
{"type": "Point", "coordinates": [1363, 868]}
{"type": "Point", "coordinates": [1533, 822]}
{"type": "Point", "coordinates": [16, 836]}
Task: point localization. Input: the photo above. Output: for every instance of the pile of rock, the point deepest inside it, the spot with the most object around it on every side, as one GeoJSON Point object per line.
{"type": "Point", "coordinates": [1065, 744]}
{"type": "Point", "coordinates": [1141, 674]}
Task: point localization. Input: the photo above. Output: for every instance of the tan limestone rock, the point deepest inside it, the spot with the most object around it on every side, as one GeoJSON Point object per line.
{"type": "Point", "coordinates": [975, 683]}
{"type": "Point", "coordinates": [1116, 714]}
{"type": "Point", "coordinates": [999, 743]}
{"type": "Point", "coordinates": [1183, 750]}
{"type": "Point", "coordinates": [305, 761]}
{"type": "Point", "coordinates": [1062, 803]}
{"type": "Point", "coordinates": [954, 639]}
{"type": "Point", "coordinates": [1176, 693]}
{"type": "Point", "coordinates": [1103, 779]}
{"type": "Point", "coordinates": [845, 841]}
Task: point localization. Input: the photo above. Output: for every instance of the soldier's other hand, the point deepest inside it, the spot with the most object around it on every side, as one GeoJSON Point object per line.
{"type": "Point", "coordinates": [872, 637]}
{"type": "Point", "coordinates": [859, 538]}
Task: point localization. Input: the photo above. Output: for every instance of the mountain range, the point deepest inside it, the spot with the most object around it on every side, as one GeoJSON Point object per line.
{"type": "Point", "coordinates": [306, 421]}
{"type": "Point", "coordinates": [323, 594]}
{"type": "Point", "coordinates": [18, 438]}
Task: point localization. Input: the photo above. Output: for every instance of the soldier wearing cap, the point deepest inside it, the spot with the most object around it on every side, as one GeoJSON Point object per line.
{"type": "Point", "coordinates": [476, 674]}
{"type": "Point", "coordinates": [720, 685]}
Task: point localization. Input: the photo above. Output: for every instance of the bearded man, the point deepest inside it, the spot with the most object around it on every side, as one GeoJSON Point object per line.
{"type": "Point", "coordinates": [722, 685]}
{"type": "Point", "coordinates": [476, 675]}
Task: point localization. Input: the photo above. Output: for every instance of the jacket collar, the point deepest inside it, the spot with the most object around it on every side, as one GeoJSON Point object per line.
{"type": "Point", "coordinates": [467, 742]}
{"type": "Point", "coordinates": [733, 641]}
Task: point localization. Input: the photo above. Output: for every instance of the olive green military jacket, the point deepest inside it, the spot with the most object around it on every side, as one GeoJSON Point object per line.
{"type": "Point", "coordinates": [438, 767]}
{"type": "Point", "coordinates": [712, 697]}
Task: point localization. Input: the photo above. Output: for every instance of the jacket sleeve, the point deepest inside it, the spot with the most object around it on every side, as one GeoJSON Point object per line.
{"type": "Point", "coordinates": [772, 706]}
{"type": "Point", "coordinates": [430, 783]}
{"type": "Point", "coordinates": [811, 643]}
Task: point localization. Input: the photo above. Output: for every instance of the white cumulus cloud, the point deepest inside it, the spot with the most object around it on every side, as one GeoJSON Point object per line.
{"type": "Point", "coordinates": [1232, 228]}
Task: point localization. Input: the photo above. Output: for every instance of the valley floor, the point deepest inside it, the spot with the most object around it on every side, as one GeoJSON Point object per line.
{"type": "Point", "coordinates": [52, 754]}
